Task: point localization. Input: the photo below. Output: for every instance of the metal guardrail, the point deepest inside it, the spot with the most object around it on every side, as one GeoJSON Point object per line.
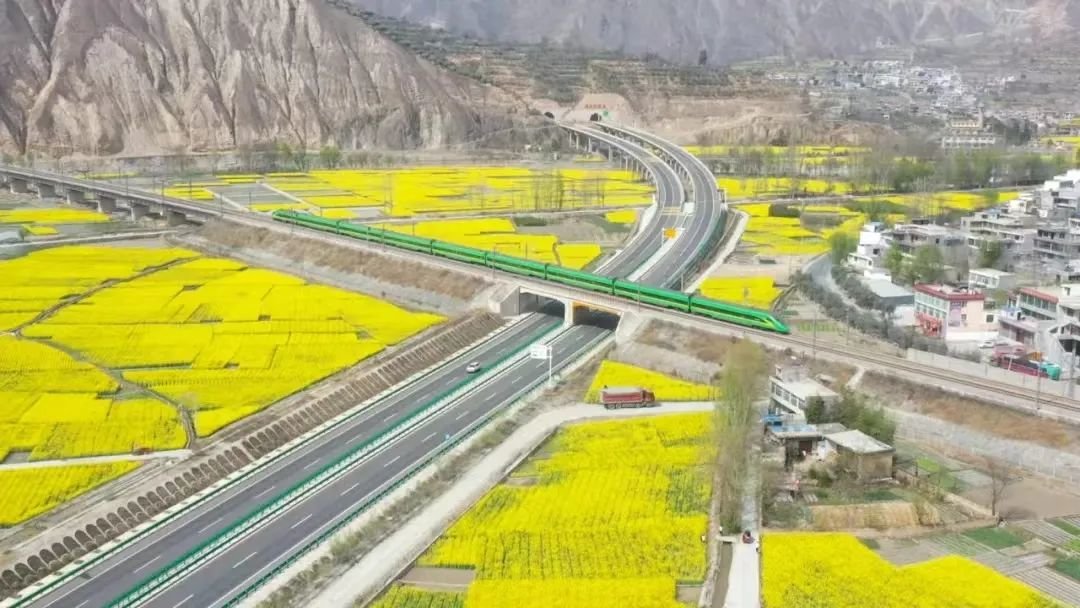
{"type": "Point", "coordinates": [299, 491]}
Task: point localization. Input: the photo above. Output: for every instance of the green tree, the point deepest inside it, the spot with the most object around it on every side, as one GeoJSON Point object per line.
{"type": "Point", "coordinates": [894, 261]}
{"type": "Point", "coordinates": [840, 245]}
{"type": "Point", "coordinates": [330, 156]}
{"type": "Point", "coordinates": [990, 253]}
{"type": "Point", "coordinates": [815, 410]}
{"type": "Point", "coordinates": [927, 265]}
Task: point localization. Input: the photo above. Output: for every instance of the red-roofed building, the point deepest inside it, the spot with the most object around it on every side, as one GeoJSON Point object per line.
{"type": "Point", "coordinates": [953, 313]}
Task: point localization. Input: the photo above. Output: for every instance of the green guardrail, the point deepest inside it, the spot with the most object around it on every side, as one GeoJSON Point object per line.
{"type": "Point", "coordinates": [295, 493]}
{"type": "Point", "coordinates": [363, 507]}
{"type": "Point", "coordinates": [34, 594]}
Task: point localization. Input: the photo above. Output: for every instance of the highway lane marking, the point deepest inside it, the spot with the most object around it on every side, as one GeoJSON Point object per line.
{"type": "Point", "coordinates": [428, 438]}
{"type": "Point", "coordinates": [390, 417]}
{"type": "Point", "coordinates": [82, 603]}
{"type": "Point", "coordinates": [306, 517]}
{"type": "Point", "coordinates": [239, 563]}
{"type": "Point", "coordinates": [265, 491]}
{"type": "Point", "coordinates": [395, 459]}
{"type": "Point", "coordinates": [462, 415]}
{"type": "Point", "coordinates": [147, 564]}
{"type": "Point", "coordinates": [312, 463]}
{"type": "Point", "coordinates": [351, 488]}
{"type": "Point", "coordinates": [184, 601]}
{"type": "Point", "coordinates": [209, 525]}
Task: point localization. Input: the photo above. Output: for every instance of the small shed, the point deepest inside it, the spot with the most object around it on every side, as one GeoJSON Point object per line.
{"type": "Point", "coordinates": [862, 455]}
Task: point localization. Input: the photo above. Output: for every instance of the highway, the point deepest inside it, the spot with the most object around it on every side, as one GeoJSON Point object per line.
{"type": "Point", "coordinates": [708, 209]}
{"type": "Point", "coordinates": [113, 577]}
{"type": "Point", "coordinates": [124, 571]}
{"type": "Point", "coordinates": [669, 198]}
{"type": "Point", "coordinates": [245, 562]}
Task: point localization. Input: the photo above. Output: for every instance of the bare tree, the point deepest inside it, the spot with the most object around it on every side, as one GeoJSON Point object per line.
{"type": "Point", "coordinates": [1001, 477]}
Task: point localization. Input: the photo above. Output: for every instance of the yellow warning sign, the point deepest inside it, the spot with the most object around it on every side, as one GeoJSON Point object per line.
{"type": "Point", "coordinates": [670, 233]}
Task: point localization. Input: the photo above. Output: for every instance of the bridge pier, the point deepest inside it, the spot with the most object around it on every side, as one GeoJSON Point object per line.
{"type": "Point", "coordinates": [75, 197]}
{"type": "Point", "coordinates": [46, 190]}
{"type": "Point", "coordinates": [175, 218]}
{"type": "Point", "coordinates": [19, 186]}
{"type": "Point", "coordinates": [138, 211]}
{"type": "Point", "coordinates": [106, 204]}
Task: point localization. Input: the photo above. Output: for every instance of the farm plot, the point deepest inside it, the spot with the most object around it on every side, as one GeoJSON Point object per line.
{"type": "Point", "coordinates": [759, 292]}
{"type": "Point", "coordinates": [614, 519]}
{"type": "Point", "coordinates": [777, 236]}
{"type": "Point", "coordinates": [413, 191]}
{"type": "Point", "coordinates": [666, 388]}
{"type": "Point", "coordinates": [213, 336]}
{"type": "Point", "coordinates": [53, 407]}
{"type": "Point", "coordinates": [30, 492]}
{"type": "Point", "coordinates": [837, 571]}
{"type": "Point", "coordinates": [501, 236]}
{"type": "Point", "coordinates": [32, 284]}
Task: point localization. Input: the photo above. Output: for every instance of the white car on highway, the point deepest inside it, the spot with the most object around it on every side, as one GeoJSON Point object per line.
{"type": "Point", "coordinates": [472, 368]}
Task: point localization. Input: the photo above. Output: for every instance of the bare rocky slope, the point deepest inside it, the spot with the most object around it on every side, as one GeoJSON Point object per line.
{"type": "Point", "coordinates": [151, 76]}
{"type": "Point", "coordinates": [733, 30]}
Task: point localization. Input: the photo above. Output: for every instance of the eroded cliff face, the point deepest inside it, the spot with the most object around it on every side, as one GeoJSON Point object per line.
{"type": "Point", "coordinates": [150, 76]}
{"type": "Point", "coordinates": [733, 30]}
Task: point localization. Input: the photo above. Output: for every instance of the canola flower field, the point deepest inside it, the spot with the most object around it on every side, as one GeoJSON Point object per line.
{"type": "Point", "coordinates": [36, 221]}
{"type": "Point", "coordinates": [213, 336]}
{"type": "Point", "coordinates": [787, 236]}
{"type": "Point", "coordinates": [775, 187]}
{"type": "Point", "coordinates": [614, 519]}
{"type": "Point", "coordinates": [666, 388]}
{"type": "Point", "coordinates": [758, 292]}
{"type": "Point", "coordinates": [411, 191]}
{"type": "Point", "coordinates": [828, 570]}
{"type": "Point", "coordinates": [501, 236]}
{"type": "Point", "coordinates": [30, 492]}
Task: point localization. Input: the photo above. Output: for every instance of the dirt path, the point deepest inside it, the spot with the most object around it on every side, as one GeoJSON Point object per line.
{"type": "Point", "coordinates": [125, 385]}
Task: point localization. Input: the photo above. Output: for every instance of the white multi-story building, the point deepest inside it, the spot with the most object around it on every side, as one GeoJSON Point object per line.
{"type": "Point", "coordinates": [867, 255]}
{"type": "Point", "coordinates": [791, 388]}
{"type": "Point", "coordinates": [990, 279]}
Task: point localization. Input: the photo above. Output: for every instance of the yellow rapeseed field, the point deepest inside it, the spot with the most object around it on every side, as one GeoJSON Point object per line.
{"type": "Point", "coordinates": [759, 292]}
{"type": "Point", "coordinates": [788, 236]}
{"type": "Point", "coordinates": [762, 187]}
{"type": "Point", "coordinates": [419, 190]}
{"type": "Point", "coordinates": [624, 216]}
{"type": "Point", "coordinates": [837, 571]}
{"type": "Point", "coordinates": [614, 518]}
{"type": "Point", "coordinates": [500, 235]}
{"type": "Point", "coordinates": [191, 193]}
{"type": "Point", "coordinates": [213, 335]}
{"type": "Point", "coordinates": [32, 284]}
{"type": "Point", "coordinates": [51, 216]}
{"type": "Point", "coordinates": [400, 596]}
{"type": "Point", "coordinates": [30, 492]}
{"type": "Point", "coordinates": [666, 388]}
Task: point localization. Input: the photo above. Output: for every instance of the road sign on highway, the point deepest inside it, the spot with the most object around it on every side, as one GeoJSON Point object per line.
{"type": "Point", "coordinates": [670, 233]}
{"type": "Point", "coordinates": [540, 351]}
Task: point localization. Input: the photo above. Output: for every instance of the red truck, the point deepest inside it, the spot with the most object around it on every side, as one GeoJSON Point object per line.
{"type": "Point", "coordinates": [626, 396]}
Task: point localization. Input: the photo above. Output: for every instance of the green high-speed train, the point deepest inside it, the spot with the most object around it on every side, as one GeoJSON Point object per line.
{"type": "Point", "coordinates": [666, 298]}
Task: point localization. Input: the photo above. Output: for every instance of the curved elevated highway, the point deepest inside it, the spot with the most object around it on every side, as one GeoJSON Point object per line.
{"type": "Point", "coordinates": [706, 207]}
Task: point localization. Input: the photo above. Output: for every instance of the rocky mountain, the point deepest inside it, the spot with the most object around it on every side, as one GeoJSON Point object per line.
{"type": "Point", "coordinates": [151, 76]}
{"type": "Point", "coordinates": [734, 30]}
